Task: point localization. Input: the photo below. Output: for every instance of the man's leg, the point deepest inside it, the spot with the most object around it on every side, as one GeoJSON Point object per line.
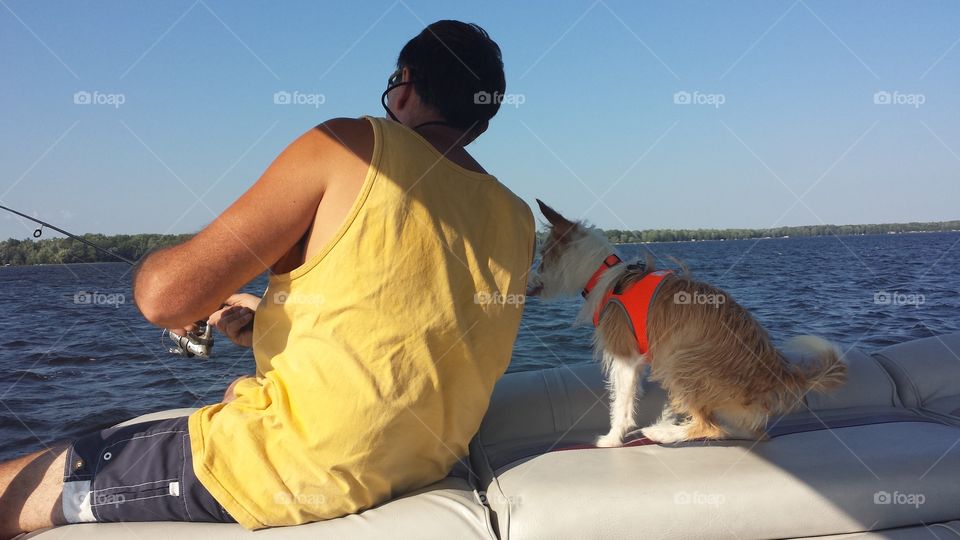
{"type": "Point", "coordinates": [139, 472]}
{"type": "Point", "coordinates": [30, 491]}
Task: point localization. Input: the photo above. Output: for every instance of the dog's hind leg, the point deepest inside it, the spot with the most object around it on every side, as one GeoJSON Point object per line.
{"type": "Point", "coordinates": [743, 422]}
{"type": "Point", "coordinates": [624, 377]}
{"type": "Point", "coordinates": [665, 429]}
{"type": "Point", "coordinates": [669, 414]}
{"type": "Point", "coordinates": [698, 426]}
{"type": "Point", "coordinates": [702, 426]}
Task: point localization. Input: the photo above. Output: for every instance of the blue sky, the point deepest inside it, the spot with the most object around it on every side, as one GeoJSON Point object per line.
{"type": "Point", "coordinates": [783, 124]}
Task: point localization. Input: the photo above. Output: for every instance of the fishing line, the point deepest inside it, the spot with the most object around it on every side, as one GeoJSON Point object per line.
{"type": "Point", "coordinates": [196, 343]}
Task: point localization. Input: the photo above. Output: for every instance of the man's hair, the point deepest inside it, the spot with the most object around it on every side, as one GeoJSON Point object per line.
{"type": "Point", "coordinates": [457, 69]}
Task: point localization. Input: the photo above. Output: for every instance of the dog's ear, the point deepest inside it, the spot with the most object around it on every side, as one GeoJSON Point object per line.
{"type": "Point", "coordinates": [554, 217]}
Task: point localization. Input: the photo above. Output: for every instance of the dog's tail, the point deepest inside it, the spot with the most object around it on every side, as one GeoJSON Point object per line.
{"type": "Point", "coordinates": [821, 365]}
{"type": "Point", "coordinates": [817, 367]}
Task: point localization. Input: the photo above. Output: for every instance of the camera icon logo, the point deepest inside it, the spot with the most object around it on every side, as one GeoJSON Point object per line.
{"type": "Point", "coordinates": [282, 98]}
{"type": "Point", "coordinates": [882, 298]}
{"type": "Point", "coordinates": [682, 98]}
{"type": "Point", "coordinates": [82, 98]}
{"type": "Point", "coordinates": [682, 297]}
{"type": "Point", "coordinates": [482, 98]}
{"type": "Point", "coordinates": [882, 497]}
{"type": "Point", "coordinates": [882, 98]}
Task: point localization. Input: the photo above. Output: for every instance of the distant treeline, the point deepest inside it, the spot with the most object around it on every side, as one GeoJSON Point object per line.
{"type": "Point", "coordinates": [682, 235]}
{"type": "Point", "coordinates": [65, 250]}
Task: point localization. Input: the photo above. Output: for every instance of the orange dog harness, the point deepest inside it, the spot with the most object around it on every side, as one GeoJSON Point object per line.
{"type": "Point", "coordinates": [635, 300]}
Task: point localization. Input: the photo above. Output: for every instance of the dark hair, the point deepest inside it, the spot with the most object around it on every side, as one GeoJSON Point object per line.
{"type": "Point", "coordinates": [457, 69]}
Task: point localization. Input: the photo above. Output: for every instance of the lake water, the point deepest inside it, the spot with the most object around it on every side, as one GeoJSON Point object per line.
{"type": "Point", "coordinates": [69, 367]}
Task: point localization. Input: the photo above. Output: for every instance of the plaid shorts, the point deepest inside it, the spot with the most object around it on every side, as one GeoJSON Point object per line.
{"type": "Point", "coordinates": [142, 472]}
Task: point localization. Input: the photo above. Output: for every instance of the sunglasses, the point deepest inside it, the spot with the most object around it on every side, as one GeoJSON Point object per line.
{"type": "Point", "coordinates": [396, 78]}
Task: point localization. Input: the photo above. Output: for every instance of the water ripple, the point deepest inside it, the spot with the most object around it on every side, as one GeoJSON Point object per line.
{"type": "Point", "coordinates": [67, 368]}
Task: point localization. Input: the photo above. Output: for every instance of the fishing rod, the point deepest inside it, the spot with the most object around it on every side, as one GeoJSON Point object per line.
{"type": "Point", "coordinates": [198, 342]}
{"type": "Point", "coordinates": [39, 232]}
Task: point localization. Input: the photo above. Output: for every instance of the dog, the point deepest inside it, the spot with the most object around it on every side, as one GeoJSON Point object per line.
{"type": "Point", "coordinates": [722, 375]}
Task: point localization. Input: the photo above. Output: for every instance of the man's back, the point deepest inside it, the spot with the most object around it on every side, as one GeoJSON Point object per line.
{"type": "Point", "coordinates": [377, 356]}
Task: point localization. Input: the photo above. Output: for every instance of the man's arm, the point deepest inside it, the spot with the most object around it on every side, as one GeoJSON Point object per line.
{"type": "Point", "coordinates": [185, 283]}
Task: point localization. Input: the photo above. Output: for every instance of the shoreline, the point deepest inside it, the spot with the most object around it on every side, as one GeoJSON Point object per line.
{"type": "Point", "coordinates": [795, 237]}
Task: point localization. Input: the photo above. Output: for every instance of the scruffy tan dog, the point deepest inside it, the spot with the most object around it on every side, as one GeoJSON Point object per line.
{"type": "Point", "coordinates": [721, 373]}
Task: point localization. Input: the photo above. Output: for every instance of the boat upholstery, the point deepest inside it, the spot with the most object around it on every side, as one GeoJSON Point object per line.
{"type": "Point", "coordinates": [450, 508]}
{"type": "Point", "coordinates": [927, 374]}
{"type": "Point", "coordinates": [879, 458]}
{"type": "Point", "coordinates": [859, 460]}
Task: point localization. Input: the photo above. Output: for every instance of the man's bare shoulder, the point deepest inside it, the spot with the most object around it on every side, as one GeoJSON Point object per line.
{"type": "Point", "coordinates": [353, 135]}
{"type": "Point", "coordinates": [328, 152]}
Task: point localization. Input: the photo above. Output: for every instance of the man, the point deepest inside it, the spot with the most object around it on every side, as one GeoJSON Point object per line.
{"type": "Point", "coordinates": [377, 344]}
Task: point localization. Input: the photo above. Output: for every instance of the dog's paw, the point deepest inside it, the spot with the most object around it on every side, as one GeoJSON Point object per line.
{"type": "Point", "coordinates": [664, 433]}
{"type": "Point", "coordinates": [609, 441]}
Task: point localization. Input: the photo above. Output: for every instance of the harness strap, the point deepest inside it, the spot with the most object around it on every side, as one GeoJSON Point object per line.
{"type": "Point", "coordinates": [635, 301]}
{"type": "Point", "coordinates": [608, 263]}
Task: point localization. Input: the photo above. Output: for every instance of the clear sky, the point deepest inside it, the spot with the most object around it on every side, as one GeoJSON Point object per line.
{"type": "Point", "coordinates": [795, 112]}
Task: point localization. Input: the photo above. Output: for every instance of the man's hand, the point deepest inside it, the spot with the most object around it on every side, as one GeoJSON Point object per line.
{"type": "Point", "coordinates": [249, 301]}
{"type": "Point", "coordinates": [236, 319]}
{"type": "Point", "coordinates": [183, 331]}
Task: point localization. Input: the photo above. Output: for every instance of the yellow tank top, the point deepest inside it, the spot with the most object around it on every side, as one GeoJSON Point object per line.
{"type": "Point", "coordinates": [376, 358]}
